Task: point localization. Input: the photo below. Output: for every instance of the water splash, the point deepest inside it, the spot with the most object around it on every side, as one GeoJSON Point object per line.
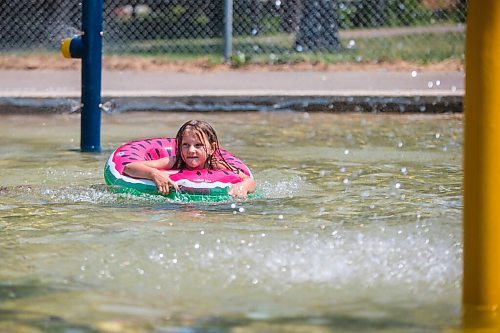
{"type": "Point", "coordinates": [272, 185]}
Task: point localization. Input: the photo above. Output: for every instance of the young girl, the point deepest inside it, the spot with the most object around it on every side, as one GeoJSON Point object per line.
{"type": "Point", "coordinates": [197, 148]}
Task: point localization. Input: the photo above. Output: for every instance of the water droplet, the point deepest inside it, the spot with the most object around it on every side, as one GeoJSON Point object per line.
{"type": "Point", "coordinates": [397, 185]}
{"type": "Point", "coordinates": [453, 88]}
{"type": "Point", "coordinates": [351, 44]}
{"type": "Point", "coordinates": [400, 144]}
{"type": "Point", "coordinates": [345, 181]}
{"type": "Point", "coordinates": [438, 135]}
{"type": "Point", "coordinates": [241, 209]}
{"type": "Point", "coordinates": [299, 48]}
{"type": "Point", "coordinates": [430, 84]}
{"type": "Point", "coordinates": [438, 83]}
{"type": "Point", "coordinates": [414, 74]}
{"type": "Point", "coordinates": [233, 205]}
{"type": "Point", "coordinates": [346, 152]}
{"type": "Point", "coordinates": [108, 107]}
{"type": "Point", "coordinates": [404, 171]}
{"type": "Point", "coordinates": [280, 217]}
{"type": "Point", "coordinates": [196, 246]}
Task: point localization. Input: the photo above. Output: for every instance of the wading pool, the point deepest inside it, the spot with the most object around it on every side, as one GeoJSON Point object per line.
{"type": "Point", "coordinates": [358, 229]}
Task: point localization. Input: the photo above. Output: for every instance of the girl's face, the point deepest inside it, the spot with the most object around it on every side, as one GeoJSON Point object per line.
{"type": "Point", "coordinates": [194, 152]}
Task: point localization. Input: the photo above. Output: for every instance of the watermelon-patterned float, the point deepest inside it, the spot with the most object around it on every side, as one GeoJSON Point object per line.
{"type": "Point", "coordinates": [194, 185]}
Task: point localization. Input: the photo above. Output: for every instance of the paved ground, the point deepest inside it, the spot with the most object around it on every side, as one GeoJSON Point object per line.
{"type": "Point", "coordinates": [235, 89]}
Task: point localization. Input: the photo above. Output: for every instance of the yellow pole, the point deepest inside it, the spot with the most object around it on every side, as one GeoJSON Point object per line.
{"type": "Point", "coordinates": [481, 279]}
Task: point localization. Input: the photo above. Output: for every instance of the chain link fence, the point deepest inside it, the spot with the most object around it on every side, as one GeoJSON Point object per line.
{"type": "Point", "coordinates": [270, 31]}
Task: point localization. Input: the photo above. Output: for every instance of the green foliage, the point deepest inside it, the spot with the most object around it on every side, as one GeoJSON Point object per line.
{"type": "Point", "coordinates": [376, 13]}
{"type": "Point", "coordinates": [178, 10]}
{"type": "Point", "coordinates": [175, 21]}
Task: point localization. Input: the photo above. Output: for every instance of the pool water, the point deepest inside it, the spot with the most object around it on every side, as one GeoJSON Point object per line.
{"type": "Point", "coordinates": [358, 229]}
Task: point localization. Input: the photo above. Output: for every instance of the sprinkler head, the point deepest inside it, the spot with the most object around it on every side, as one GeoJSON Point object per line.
{"type": "Point", "coordinates": [72, 47]}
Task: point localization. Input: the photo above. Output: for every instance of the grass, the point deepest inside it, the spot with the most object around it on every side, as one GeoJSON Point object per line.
{"type": "Point", "coordinates": [421, 48]}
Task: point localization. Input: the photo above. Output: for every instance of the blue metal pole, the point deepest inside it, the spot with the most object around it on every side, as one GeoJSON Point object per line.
{"type": "Point", "coordinates": [91, 75]}
{"type": "Point", "coordinates": [228, 30]}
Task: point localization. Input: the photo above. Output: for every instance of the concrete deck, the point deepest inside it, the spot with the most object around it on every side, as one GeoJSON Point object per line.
{"type": "Point", "coordinates": [239, 90]}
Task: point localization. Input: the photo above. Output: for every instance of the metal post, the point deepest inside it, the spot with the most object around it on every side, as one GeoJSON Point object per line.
{"type": "Point", "coordinates": [481, 279]}
{"type": "Point", "coordinates": [228, 30]}
{"type": "Point", "coordinates": [91, 75]}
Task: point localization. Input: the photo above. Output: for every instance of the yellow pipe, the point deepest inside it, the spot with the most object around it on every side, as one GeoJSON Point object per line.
{"type": "Point", "coordinates": [481, 279]}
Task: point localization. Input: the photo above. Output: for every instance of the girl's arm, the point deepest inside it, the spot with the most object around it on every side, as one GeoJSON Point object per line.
{"type": "Point", "coordinates": [241, 189]}
{"type": "Point", "coordinates": [156, 170]}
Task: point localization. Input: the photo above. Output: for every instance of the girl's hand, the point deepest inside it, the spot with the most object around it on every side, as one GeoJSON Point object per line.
{"type": "Point", "coordinates": [163, 182]}
{"type": "Point", "coordinates": [238, 190]}
{"type": "Point", "coordinates": [241, 189]}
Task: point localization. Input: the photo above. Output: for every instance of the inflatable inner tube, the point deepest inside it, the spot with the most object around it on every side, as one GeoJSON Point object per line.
{"type": "Point", "coordinates": [194, 185]}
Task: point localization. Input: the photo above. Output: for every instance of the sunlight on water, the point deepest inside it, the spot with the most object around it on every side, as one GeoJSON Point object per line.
{"type": "Point", "coordinates": [358, 228]}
